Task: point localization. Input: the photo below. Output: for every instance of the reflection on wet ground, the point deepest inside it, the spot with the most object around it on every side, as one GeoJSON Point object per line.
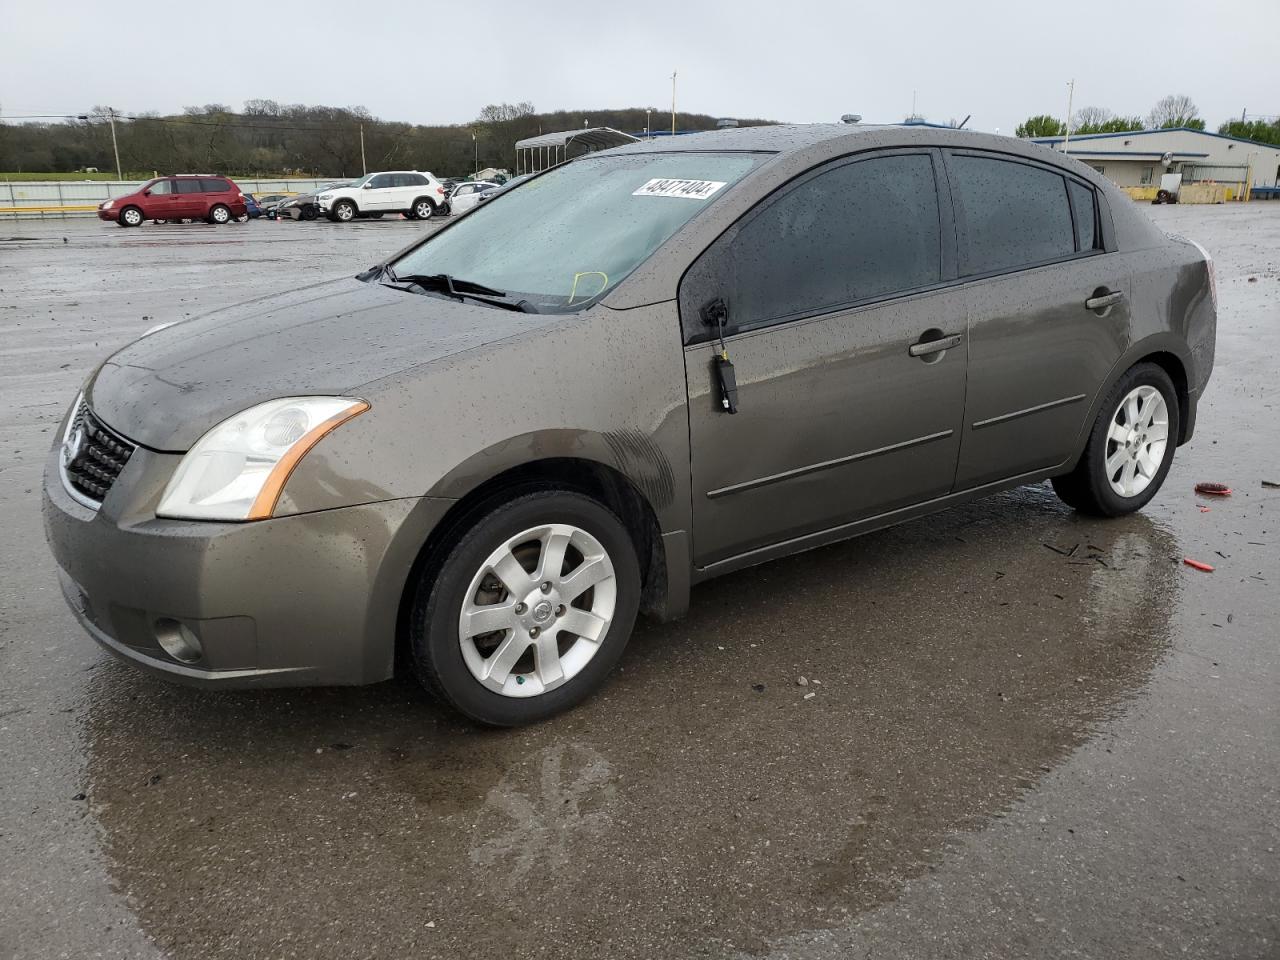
{"type": "Point", "coordinates": [704, 802]}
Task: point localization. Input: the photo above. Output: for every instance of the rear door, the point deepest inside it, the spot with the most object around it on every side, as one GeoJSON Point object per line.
{"type": "Point", "coordinates": [1048, 312]}
{"type": "Point", "coordinates": [829, 287]}
{"type": "Point", "coordinates": [190, 198]}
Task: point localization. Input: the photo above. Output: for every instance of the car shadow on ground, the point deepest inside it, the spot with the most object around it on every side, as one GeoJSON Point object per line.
{"type": "Point", "coordinates": [707, 796]}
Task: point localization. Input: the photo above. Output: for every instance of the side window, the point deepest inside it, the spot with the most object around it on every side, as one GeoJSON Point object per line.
{"type": "Point", "coordinates": [414, 179]}
{"type": "Point", "coordinates": [381, 181]}
{"type": "Point", "coordinates": [1014, 214]}
{"type": "Point", "coordinates": [161, 188]}
{"type": "Point", "coordinates": [1085, 211]}
{"type": "Point", "coordinates": [862, 230]}
{"type": "Point", "coordinates": [187, 186]}
{"type": "Point", "coordinates": [215, 186]}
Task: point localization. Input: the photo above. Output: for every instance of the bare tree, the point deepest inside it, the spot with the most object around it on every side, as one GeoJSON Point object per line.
{"type": "Point", "coordinates": [1175, 110]}
{"type": "Point", "coordinates": [1090, 119]}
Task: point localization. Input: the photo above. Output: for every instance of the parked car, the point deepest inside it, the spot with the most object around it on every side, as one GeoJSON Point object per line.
{"type": "Point", "coordinates": [417, 195]}
{"type": "Point", "coordinates": [185, 197]}
{"type": "Point", "coordinates": [304, 206]}
{"type": "Point", "coordinates": [252, 210]}
{"type": "Point", "coordinates": [503, 188]}
{"type": "Point", "coordinates": [269, 201]}
{"type": "Point", "coordinates": [489, 451]}
{"type": "Point", "coordinates": [467, 195]}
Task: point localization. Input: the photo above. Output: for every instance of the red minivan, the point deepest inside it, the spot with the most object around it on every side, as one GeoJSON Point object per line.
{"type": "Point", "coordinates": [185, 197]}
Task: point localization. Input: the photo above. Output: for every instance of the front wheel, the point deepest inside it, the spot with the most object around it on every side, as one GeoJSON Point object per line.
{"type": "Point", "coordinates": [220, 215]}
{"type": "Point", "coordinates": [344, 211]}
{"type": "Point", "coordinates": [130, 217]}
{"type": "Point", "coordinates": [529, 610]}
{"type": "Point", "coordinates": [1130, 447]}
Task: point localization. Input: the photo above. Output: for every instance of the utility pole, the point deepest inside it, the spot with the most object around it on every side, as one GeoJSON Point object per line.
{"type": "Point", "coordinates": [673, 103]}
{"type": "Point", "coordinates": [363, 166]}
{"type": "Point", "coordinates": [111, 115]}
{"type": "Point", "coordinates": [477, 146]}
{"type": "Point", "coordinates": [1071, 91]}
{"type": "Point", "coordinates": [648, 124]}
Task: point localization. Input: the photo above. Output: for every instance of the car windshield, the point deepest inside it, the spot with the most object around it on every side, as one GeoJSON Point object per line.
{"type": "Point", "coordinates": [566, 237]}
{"type": "Point", "coordinates": [356, 183]}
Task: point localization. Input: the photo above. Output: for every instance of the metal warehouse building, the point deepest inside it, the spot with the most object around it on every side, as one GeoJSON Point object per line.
{"type": "Point", "coordinates": [1138, 158]}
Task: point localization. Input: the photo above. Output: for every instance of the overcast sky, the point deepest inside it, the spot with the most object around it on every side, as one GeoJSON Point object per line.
{"type": "Point", "coordinates": [440, 63]}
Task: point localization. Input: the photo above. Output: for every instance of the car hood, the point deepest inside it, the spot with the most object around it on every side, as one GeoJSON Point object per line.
{"type": "Point", "coordinates": [167, 389]}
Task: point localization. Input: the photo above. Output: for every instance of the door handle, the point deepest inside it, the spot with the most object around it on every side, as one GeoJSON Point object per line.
{"type": "Point", "coordinates": [1104, 301]}
{"type": "Point", "coordinates": [935, 346]}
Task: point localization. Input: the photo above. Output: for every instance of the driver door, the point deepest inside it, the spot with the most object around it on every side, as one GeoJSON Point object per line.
{"type": "Point", "coordinates": [379, 194]}
{"type": "Point", "coordinates": [848, 347]}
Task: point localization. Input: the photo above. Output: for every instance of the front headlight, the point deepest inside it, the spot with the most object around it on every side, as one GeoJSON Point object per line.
{"type": "Point", "coordinates": [237, 470]}
{"type": "Point", "coordinates": [325, 196]}
{"type": "Point", "coordinates": [108, 205]}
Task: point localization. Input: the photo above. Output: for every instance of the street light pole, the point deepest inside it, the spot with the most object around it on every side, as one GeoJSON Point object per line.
{"type": "Point", "coordinates": [1066, 139]}
{"type": "Point", "coordinates": [364, 167]}
{"type": "Point", "coordinates": [475, 141]}
{"type": "Point", "coordinates": [673, 103]}
{"type": "Point", "coordinates": [111, 114]}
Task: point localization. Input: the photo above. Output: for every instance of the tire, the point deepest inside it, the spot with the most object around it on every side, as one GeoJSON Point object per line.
{"type": "Point", "coordinates": [219, 214]}
{"type": "Point", "coordinates": [344, 211]}
{"type": "Point", "coordinates": [309, 212]}
{"type": "Point", "coordinates": [130, 217]}
{"type": "Point", "coordinates": [527, 688]}
{"type": "Point", "coordinates": [422, 209]}
{"type": "Point", "coordinates": [1109, 465]}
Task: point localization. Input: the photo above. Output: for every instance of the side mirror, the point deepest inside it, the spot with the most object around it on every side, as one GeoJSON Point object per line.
{"type": "Point", "coordinates": [368, 186]}
{"type": "Point", "coordinates": [146, 193]}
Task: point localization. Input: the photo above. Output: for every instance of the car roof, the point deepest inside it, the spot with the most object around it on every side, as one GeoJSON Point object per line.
{"type": "Point", "coordinates": [785, 138]}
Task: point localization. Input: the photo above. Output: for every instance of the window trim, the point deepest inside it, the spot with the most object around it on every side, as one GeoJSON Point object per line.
{"type": "Point", "coordinates": [694, 333]}
{"type": "Point", "coordinates": [962, 234]}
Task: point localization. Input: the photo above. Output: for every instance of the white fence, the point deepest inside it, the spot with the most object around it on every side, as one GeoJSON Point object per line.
{"type": "Point", "coordinates": [36, 199]}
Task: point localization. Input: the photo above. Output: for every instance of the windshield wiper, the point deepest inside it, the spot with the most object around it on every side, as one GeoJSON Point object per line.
{"type": "Point", "coordinates": [458, 289]}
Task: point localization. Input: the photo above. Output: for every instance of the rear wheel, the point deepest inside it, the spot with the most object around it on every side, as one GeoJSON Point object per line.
{"type": "Point", "coordinates": [219, 214]}
{"type": "Point", "coordinates": [528, 610]}
{"type": "Point", "coordinates": [130, 217]}
{"type": "Point", "coordinates": [1130, 447]}
{"type": "Point", "coordinates": [423, 209]}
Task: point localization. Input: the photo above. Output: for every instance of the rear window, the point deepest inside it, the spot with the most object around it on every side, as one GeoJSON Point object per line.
{"type": "Point", "coordinates": [215, 186]}
{"type": "Point", "coordinates": [1015, 214]}
{"type": "Point", "coordinates": [187, 186]}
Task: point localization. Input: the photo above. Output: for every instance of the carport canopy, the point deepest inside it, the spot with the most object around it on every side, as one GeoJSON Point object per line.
{"type": "Point", "coordinates": [538, 153]}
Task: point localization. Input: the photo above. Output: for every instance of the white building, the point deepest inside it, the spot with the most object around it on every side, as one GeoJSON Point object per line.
{"type": "Point", "coordinates": [1138, 158]}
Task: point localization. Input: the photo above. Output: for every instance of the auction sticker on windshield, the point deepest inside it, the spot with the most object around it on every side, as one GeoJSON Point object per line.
{"type": "Point", "coordinates": [689, 189]}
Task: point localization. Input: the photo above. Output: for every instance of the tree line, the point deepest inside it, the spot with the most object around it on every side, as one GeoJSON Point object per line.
{"type": "Point", "coordinates": [266, 139]}
{"type": "Point", "coordinates": [1175, 110]}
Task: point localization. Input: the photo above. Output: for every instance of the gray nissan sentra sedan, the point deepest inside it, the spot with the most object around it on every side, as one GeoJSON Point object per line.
{"type": "Point", "coordinates": [639, 370]}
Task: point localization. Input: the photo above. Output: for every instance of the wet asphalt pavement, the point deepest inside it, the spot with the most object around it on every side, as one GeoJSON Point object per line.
{"type": "Point", "coordinates": [1033, 734]}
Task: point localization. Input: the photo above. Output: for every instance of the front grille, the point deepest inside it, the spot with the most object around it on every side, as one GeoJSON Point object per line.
{"type": "Point", "coordinates": [92, 456]}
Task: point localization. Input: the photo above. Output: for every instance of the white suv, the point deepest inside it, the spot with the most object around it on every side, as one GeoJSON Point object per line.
{"type": "Point", "coordinates": [417, 195]}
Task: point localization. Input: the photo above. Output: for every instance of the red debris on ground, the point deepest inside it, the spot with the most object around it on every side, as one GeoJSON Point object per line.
{"type": "Point", "coordinates": [1213, 489]}
{"type": "Point", "coordinates": [1207, 568]}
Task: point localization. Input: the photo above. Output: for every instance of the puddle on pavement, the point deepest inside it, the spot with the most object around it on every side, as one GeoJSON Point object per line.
{"type": "Point", "coordinates": [955, 661]}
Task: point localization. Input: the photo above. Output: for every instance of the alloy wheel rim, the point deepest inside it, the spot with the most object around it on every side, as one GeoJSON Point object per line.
{"type": "Point", "coordinates": [424, 211]}
{"type": "Point", "coordinates": [132, 216]}
{"type": "Point", "coordinates": [1136, 441]}
{"type": "Point", "coordinates": [538, 610]}
{"type": "Point", "coordinates": [344, 212]}
{"type": "Point", "coordinates": [220, 215]}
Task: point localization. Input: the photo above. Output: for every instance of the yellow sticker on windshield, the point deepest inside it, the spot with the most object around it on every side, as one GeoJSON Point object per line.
{"type": "Point", "coordinates": [689, 189]}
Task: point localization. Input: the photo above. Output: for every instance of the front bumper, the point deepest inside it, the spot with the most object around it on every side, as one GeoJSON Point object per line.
{"type": "Point", "coordinates": [309, 599]}
{"type": "Point", "coordinates": [109, 215]}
